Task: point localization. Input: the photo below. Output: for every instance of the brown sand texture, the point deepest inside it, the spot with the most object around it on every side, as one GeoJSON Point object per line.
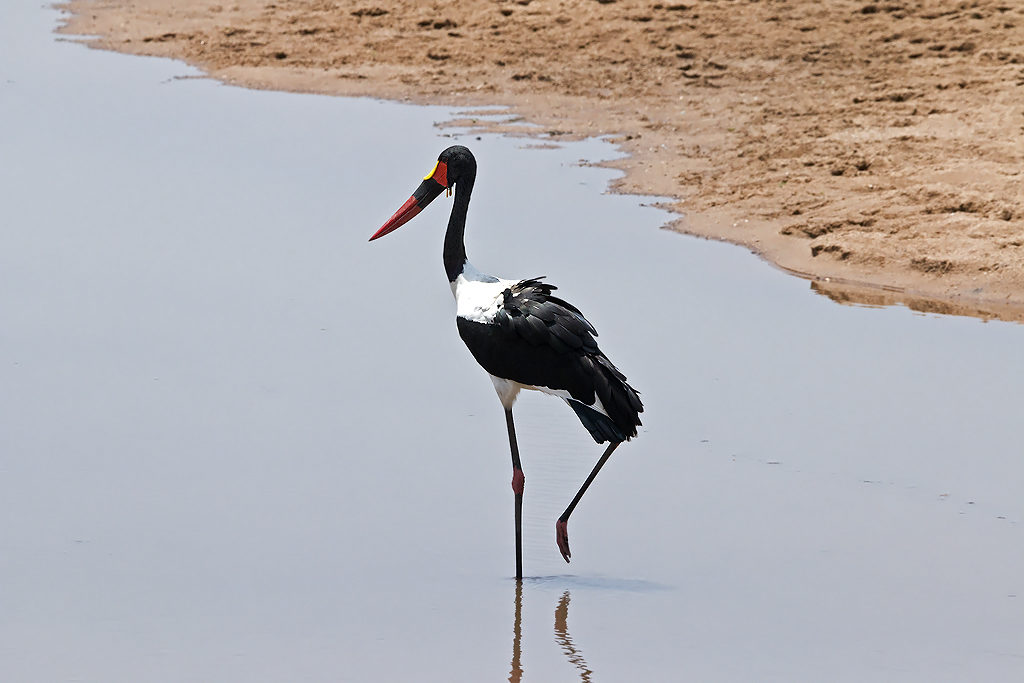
{"type": "Point", "coordinates": [875, 148]}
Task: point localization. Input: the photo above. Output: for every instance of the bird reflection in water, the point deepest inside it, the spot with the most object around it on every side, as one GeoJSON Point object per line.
{"type": "Point", "coordinates": [516, 674]}
{"type": "Point", "coordinates": [562, 637]}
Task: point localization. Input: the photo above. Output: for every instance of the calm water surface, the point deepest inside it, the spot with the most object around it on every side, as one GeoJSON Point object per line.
{"type": "Point", "coordinates": [239, 443]}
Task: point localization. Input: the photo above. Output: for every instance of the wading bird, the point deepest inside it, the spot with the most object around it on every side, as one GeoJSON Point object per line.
{"type": "Point", "coordinates": [525, 338]}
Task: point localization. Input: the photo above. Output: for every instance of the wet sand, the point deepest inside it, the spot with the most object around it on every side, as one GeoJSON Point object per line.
{"type": "Point", "coordinates": [854, 143]}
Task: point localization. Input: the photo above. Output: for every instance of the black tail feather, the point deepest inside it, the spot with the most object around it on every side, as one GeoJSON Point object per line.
{"type": "Point", "coordinates": [620, 401]}
{"type": "Point", "coordinates": [599, 425]}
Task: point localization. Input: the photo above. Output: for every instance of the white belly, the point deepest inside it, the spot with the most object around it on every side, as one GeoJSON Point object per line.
{"type": "Point", "coordinates": [508, 391]}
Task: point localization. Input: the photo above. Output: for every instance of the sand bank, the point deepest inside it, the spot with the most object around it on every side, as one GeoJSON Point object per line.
{"type": "Point", "coordinates": [877, 149]}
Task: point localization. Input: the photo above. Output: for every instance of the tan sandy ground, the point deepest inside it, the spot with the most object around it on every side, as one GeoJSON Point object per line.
{"type": "Point", "coordinates": [851, 141]}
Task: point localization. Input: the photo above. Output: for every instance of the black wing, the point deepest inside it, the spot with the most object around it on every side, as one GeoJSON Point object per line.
{"type": "Point", "coordinates": [539, 339]}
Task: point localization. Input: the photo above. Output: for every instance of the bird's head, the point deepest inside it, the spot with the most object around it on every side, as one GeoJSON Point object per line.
{"type": "Point", "coordinates": [454, 165]}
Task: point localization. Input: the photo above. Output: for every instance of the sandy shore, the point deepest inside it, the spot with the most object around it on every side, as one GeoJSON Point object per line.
{"type": "Point", "coordinates": [875, 148]}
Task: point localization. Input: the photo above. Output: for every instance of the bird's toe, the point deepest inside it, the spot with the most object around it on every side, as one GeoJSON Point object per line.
{"type": "Point", "coordinates": [562, 538]}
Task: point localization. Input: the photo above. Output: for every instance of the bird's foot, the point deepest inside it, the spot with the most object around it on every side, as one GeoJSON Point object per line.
{"type": "Point", "coordinates": [562, 538]}
{"type": "Point", "coordinates": [518, 481]}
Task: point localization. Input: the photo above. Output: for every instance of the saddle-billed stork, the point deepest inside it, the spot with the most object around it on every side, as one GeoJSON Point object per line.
{"type": "Point", "coordinates": [525, 338]}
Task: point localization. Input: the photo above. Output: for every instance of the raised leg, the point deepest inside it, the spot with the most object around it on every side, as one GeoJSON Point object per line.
{"type": "Point", "coordinates": [562, 525]}
{"type": "Point", "coordinates": [518, 484]}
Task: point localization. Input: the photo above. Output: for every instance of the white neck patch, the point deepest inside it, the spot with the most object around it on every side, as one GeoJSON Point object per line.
{"type": "Point", "coordinates": [478, 296]}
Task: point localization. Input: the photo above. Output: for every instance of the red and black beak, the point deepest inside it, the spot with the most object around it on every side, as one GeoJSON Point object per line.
{"type": "Point", "coordinates": [433, 184]}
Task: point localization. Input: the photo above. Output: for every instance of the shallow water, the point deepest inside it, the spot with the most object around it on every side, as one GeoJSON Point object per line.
{"type": "Point", "coordinates": [239, 443]}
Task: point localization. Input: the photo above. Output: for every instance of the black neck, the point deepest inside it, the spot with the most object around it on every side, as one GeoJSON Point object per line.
{"type": "Point", "coordinates": [455, 237]}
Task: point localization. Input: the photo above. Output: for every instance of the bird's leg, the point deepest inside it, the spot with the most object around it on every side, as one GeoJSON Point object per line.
{"type": "Point", "coordinates": [562, 525]}
{"type": "Point", "coordinates": [518, 484]}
